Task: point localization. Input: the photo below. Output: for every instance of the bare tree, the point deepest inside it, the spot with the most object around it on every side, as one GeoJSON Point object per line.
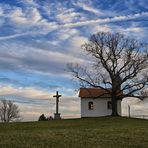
{"type": "Point", "coordinates": [8, 111]}
{"type": "Point", "coordinates": [119, 66]}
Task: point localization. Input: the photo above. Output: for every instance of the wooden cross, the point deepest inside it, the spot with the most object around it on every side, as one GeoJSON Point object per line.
{"type": "Point", "coordinates": [57, 96]}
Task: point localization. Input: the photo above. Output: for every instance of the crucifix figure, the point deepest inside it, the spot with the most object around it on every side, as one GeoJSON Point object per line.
{"type": "Point", "coordinates": [57, 114]}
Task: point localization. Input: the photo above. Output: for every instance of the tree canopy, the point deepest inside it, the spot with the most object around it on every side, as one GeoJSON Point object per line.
{"type": "Point", "coordinates": [119, 65]}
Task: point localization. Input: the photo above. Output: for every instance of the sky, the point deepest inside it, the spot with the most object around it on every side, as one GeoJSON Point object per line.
{"type": "Point", "coordinates": [38, 38]}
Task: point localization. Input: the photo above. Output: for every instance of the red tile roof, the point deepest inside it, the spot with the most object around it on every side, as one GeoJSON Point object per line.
{"type": "Point", "coordinates": [93, 93]}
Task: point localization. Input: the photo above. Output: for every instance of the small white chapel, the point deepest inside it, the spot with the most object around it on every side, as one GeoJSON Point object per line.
{"type": "Point", "coordinates": [95, 103]}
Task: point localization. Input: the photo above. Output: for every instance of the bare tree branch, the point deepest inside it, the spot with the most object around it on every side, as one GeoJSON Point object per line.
{"type": "Point", "coordinates": [123, 60]}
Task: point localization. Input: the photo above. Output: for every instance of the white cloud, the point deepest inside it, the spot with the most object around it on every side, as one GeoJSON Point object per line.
{"type": "Point", "coordinates": [14, 36]}
{"type": "Point", "coordinates": [106, 20]}
{"type": "Point", "coordinates": [74, 45]}
{"type": "Point", "coordinates": [29, 2]}
{"type": "Point", "coordinates": [35, 60]}
{"type": "Point", "coordinates": [99, 28]}
{"type": "Point", "coordinates": [89, 8]}
{"type": "Point", "coordinates": [34, 15]}
{"type": "Point", "coordinates": [68, 16]}
{"type": "Point", "coordinates": [134, 29]}
{"type": "Point", "coordinates": [28, 92]}
{"type": "Point", "coordinates": [64, 58]}
{"type": "Point", "coordinates": [27, 17]}
{"type": "Point", "coordinates": [46, 27]}
{"type": "Point", "coordinates": [67, 33]}
{"type": "Point", "coordinates": [31, 112]}
{"type": "Point", "coordinates": [77, 41]}
{"type": "Point", "coordinates": [1, 11]}
{"type": "Point", "coordinates": [18, 16]}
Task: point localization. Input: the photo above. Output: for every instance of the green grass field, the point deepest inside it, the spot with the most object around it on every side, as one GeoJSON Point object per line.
{"type": "Point", "coordinates": [103, 132]}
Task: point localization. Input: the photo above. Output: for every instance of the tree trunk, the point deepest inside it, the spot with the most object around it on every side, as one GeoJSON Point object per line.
{"type": "Point", "coordinates": [114, 106]}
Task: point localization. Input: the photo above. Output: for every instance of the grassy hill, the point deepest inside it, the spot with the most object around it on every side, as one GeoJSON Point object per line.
{"type": "Point", "coordinates": [103, 132]}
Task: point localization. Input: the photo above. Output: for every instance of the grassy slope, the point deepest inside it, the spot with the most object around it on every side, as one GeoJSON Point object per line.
{"type": "Point", "coordinates": [106, 132]}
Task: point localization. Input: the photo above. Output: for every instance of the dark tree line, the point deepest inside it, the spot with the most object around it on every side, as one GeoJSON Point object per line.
{"type": "Point", "coordinates": [118, 65]}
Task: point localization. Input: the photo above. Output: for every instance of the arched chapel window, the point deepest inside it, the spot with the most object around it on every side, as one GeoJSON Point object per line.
{"type": "Point", "coordinates": [90, 105]}
{"type": "Point", "coordinates": [109, 105]}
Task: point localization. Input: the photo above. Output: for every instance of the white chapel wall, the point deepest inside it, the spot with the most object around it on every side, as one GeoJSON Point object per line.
{"type": "Point", "coordinates": [100, 107]}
